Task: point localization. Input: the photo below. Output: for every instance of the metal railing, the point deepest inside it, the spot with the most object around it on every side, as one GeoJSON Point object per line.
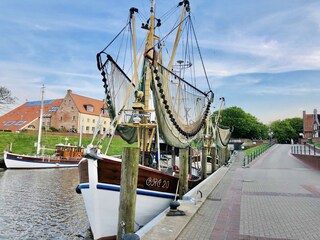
{"type": "Point", "coordinates": [249, 158]}
{"type": "Point", "coordinates": [305, 149]}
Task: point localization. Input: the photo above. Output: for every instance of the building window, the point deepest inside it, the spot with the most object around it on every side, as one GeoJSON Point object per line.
{"type": "Point", "coordinates": [8, 123]}
{"type": "Point", "coordinates": [88, 120]}
{"type": "Point", "coordinates": [93, 129]}
{"type": "Point", "coordinates": [93, 120]}
{"type": "Point", "coordinates": [89, 108]}
{"type": "Point", "coordinates": [20, 123]}
{"type": "Point", "coordinates": [60, 118]}
{"type": "Point", "coordinates": [73, 118]}
{"type": "Point", "coordinates": [54, 109]}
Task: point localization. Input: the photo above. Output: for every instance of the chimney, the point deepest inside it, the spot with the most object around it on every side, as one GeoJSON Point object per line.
{"type": "Point", "coordinates": [315, 116]}
{"type": "Point", "coordinates": [69, 91]}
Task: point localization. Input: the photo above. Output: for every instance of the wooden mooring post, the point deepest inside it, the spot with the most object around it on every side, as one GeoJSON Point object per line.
{"type": "Point", "coordinates": [183, 172]}
{"type": "Point", "coordinates": [128, 187]}
{"type": "Point", "coordinates": [204, 162]}
{"type": "Point", "coordinates": [213, 160]}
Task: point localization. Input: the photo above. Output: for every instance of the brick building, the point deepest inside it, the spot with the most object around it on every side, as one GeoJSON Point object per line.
{"type": "Point", "coordinates": [311, 125]}
{"type": "Point", "coordinates": [72, 113]}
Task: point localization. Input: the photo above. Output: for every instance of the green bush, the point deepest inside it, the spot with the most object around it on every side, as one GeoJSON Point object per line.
{"type": "Point", "coordinates": [53, 129]}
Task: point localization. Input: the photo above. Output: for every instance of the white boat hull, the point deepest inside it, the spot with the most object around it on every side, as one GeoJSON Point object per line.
{"type": "Point", "coordinates": [102, 204]}
{"type": "Point", "coordinates": [15, 161]}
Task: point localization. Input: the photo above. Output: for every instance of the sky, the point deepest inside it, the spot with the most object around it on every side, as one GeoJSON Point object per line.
{"type": "Point", "coordinates": [262, 56]}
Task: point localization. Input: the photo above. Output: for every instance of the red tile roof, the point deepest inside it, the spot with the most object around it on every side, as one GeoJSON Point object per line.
{"type": "Point", "coordinates": [308, 123]}
{"type": "Point", "coordinates": [27, 113]}
{"type": "Point", "coordinates": [81, 102]}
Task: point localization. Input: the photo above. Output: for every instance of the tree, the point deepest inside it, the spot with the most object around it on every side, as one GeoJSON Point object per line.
{"type": "Point", "coordinates": [5, 96]}
{"type": "Point", "coordinates": [296, 124]}
{"type": "Point", "coordinates": [244, 124]}
{"type": "Point", "coordinates": [287, 129]}
{"type": "Point", "coordinates": [283, 131]}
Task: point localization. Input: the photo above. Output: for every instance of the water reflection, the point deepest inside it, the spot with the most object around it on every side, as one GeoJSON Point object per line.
{"type": "Point", "coordinates": [41, 204]}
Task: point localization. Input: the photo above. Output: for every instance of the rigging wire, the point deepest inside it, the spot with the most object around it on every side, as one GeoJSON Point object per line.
{"type": "Point", "coordinates": [169, 13]}
{"type": "Point", "coordinates": [204, 69]}
{"type": "Point", "coordinates": [115, 37]}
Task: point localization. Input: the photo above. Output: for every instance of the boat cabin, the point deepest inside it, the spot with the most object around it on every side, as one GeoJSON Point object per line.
{"type": "Point", "coordinates": [68, 151]}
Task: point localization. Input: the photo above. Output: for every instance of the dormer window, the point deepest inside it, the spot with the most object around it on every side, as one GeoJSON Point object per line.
{"type": "Point", "coordinates": [104, 111]}
{"type": "Point", "coordinates": [88, 107]}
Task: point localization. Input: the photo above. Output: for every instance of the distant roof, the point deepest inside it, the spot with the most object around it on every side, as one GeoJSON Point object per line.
{"type": "Point", "coordinates": [24, 115]}
{"type": "Point", "coordinates": [38, 103]}
{"type": "Point", "coordinates": [81, 102]}
{"type": "Point", "coordinates": [27, 113]}
{"type": "Point", "coordinates": [308, 121]}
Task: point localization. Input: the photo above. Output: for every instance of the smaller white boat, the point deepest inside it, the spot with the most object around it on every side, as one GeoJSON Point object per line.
{"type": "Point", "coordinates": [65, 156]}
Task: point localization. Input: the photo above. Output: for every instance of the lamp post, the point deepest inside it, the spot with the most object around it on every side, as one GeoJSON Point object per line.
{"type": "Point", "coordinates": [270, 133]}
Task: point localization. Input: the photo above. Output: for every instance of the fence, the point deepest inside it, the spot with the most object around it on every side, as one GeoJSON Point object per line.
{"type": "Point", "coordinates": [249, 158]}
{"type": "Point", "coordinates": [305, 149]}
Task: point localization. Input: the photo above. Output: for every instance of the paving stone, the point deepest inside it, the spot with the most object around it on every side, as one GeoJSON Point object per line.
{"type": "Point", "coordinates": [278, 197]}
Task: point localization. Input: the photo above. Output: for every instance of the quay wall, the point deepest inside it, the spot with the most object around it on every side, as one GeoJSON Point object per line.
{"type": "Point", "coordinates": [311, 160]}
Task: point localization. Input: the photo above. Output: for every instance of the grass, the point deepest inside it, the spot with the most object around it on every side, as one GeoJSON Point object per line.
{"type": "Point", "coordinates": [248, 151]}
{"type": "Point", "coordinates": [24, 143]}
{"type": "Point", "coordinates": [317, 144]}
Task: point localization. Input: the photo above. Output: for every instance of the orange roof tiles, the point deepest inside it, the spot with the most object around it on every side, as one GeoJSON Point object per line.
{"type": "Point", "coordinates": [81, 102]}
{"type": "Point", "coordinates": [308, 123]}
{"type": "Point", "coordinates": [27, 113]}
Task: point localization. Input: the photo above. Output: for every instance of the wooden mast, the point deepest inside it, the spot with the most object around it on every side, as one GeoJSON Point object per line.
{"type": "Point", "coordinates": [145, 136]}
{"type": "Point", "coordinates": [150, 45]}
{"type": "Point", "coordinates": [134, 43]}
{"type": "Point", "coordinates": [40, 121]}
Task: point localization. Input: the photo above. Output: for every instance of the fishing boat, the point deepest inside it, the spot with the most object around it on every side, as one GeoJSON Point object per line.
{"type": "Point", "coordinates": [163, 102]}
{"type": "Point", "coordinates": [65, 155]}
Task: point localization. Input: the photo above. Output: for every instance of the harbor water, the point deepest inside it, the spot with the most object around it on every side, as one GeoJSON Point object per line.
{"type": "Point", "coordinates": [41, 204]}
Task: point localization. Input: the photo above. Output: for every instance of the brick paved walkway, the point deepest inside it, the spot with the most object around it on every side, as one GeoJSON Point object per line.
{"type": "Point", "coordinates": [278, 197]}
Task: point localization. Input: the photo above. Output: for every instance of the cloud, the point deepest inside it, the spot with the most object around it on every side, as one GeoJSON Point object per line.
{"type": "Point", "coordinates": [252, 52]}
{"type": "Point", "coordinates": [289, 91]}
{"type": "Point", "coordinates": [281, 38]}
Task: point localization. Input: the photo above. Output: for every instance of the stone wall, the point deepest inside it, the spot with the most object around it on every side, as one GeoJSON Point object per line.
{"type": "Point", "coordinates": [311, 160]}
